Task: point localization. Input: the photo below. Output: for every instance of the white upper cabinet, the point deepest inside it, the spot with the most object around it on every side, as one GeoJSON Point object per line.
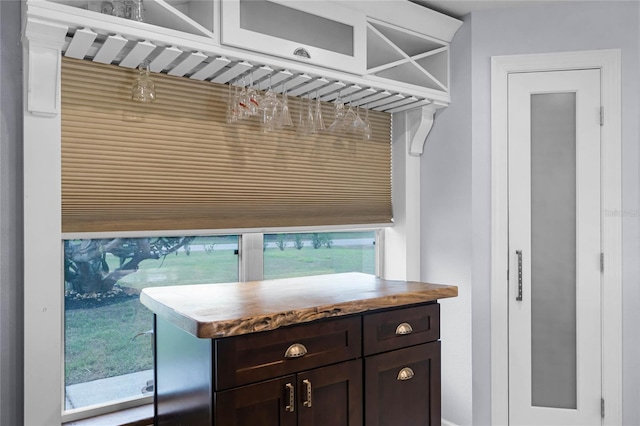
{"type": "Point", "coordinates": [405, 56]}
{"type": "Point", "coordinates": [314, 32]}
{"type": "Point", "coordinates": [196, 17]}
{"type": "Point", "coordinates": [387, 55]}
{"type": "Point", "coordinates": [407, 44]}
{"type": "Point", "coordinates": [191, 16]}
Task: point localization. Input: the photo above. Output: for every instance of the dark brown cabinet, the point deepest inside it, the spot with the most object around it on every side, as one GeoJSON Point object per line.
{"type": "Point", "coordinates": [250, 358]}
{"type": "Point", "coordinates": [402, 366]}
{"type": "Point", "coordinates": [376, 369]}
{"type": "Point", "coordinates": [403, 387]}
{"type": "Point", "coordinates": [329, 395]}
{"type": "Point", "coordinates": [261, 404]}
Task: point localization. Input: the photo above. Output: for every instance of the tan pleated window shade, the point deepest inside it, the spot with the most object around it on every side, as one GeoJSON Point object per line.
{"type": "Point", "coordinates": [177, 164]}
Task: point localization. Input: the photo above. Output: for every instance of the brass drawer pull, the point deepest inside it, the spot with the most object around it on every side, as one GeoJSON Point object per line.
{"type": "Point", "coordinates": [302, 53]}
{"type": "Point", "coordinates": [295, 351]}
{"type": "Point", "coordinates": [404, 328]}
{"type": "Point", "coordinates": [292, 399]}
{"type": "Point", "coordinates": [405, 374]}
{"type": "Point", "coordinates": [307, 385]}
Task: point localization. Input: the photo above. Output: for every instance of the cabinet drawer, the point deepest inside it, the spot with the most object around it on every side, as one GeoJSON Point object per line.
{"type": "Point", "coordinates": [386, 331]}
{"type": "Point", "coordinates": [253, 357]}
{"type": "Point", "coordinates": [403, 387]}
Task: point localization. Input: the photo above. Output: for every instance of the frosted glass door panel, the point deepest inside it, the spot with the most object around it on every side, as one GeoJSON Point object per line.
{"type": "Point", "coordinates": [553, 250]}
{"type": "Point", "coordinates": [284, 22]}
{"type": "Point", "coordinates": [309, 31]}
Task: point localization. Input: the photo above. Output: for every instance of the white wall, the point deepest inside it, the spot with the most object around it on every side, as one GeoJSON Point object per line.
{"type": "Point", "coordinates": [11, 299]}
{"type": "Point", "coordinates": [568, 26]}
{"type": "Point", "coordinates": [446, 229]}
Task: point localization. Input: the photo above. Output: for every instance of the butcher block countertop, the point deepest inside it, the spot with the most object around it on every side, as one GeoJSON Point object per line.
{"type": "Point", "coordinates": [229, 309]}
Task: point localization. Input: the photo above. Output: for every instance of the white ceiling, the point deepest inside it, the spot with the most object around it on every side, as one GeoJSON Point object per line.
{"type": "Point", "coordinates": [459, 8]}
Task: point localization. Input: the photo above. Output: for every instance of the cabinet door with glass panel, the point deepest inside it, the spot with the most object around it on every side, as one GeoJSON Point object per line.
{"type": "Point", "coordinates": [313, 32]}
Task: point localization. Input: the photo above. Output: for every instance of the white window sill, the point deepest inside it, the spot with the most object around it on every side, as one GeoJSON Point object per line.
{"type": "Point", "coordinates": [137, 416]}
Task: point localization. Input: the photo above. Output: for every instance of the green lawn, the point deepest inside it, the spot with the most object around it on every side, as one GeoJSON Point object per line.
{"type": "Point", "coordinates": [179, 269]}
{"type": "Point", "coordinates": [308, 261]}
{"type": "Point", "coordinates": [100, 340]}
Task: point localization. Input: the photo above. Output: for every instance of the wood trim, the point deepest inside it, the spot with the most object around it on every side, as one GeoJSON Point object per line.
{"type": "Point", "coordinates": [608, 61]}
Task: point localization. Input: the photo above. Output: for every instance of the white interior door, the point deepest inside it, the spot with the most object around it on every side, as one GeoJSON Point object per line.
{"type": "Point", "coordinates": [554, 248]}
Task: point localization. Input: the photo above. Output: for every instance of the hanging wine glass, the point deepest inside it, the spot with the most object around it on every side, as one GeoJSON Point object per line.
{"type": "Point", "coordinates": [143, 88]}
{"type": "Point", "coordinates": [270, 108]}
{"type": "Point", "coordinates": [270, 111]}
{"type": "Point", "coordinates": [339, 112]}
{"type": "Point", "coordinates": [243, 102]}
{"type": "Point", "coordinates": [349, 120]}
{"type": "Point", "coordinates": [319, 122]}
{"type": "Point", "coordinates": [311, 124]}
{"type": "Point", "coordinates": [367, 126]}
{"type": "Point", "coordinates": [357, 125]}
{"type": "Point", "coordinates": [306, 125]}
{"type": "Point", "coordinates": [232, 105]}
{"type": "Point", "coordinates": [285, 116]}
{"type": "Point", "coordinates": [253, 99]}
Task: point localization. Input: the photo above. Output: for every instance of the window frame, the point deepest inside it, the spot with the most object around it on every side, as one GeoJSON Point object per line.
{"type": "Point", "coordinates": [250, 268]}
{"type": "Point", "coordinates": [43, 254]}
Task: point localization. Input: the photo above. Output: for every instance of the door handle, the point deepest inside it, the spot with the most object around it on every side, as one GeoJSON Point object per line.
{"type": "Point", "coordinates": [291, 407]}
{"type": "Point", "coordinates": [519, 255]}
{"type": "Point", "coordinates": [307, 385]}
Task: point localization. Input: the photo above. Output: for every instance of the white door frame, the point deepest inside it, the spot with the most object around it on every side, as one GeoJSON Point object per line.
{"type": "Point", "coordinates": [608, 61]}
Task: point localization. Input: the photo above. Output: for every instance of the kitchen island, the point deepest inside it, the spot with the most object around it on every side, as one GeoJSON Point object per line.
{"type": "Point", "coordinates": [340, 349]}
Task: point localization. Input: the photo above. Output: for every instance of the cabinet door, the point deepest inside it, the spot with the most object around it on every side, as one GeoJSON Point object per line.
{"type": "Point", "coordinates": [307, 31]}
{"type": "Point", "coordinates": [331, 395]}
{"type": "Point", "coordinates": [269, 403]}
{"type": "Point", "coordinates": [403, 387]}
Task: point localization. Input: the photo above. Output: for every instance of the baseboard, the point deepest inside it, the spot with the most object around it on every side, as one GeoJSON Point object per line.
{"type": "Point", "coordinates": [446, 422]}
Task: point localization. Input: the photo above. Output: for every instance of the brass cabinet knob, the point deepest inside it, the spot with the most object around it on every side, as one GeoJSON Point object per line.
{"type": "Point", "coordinates": [405, 374]}
{"type": "Point", "coordinates": [295, 351]}
{"type": "Point", "coordinates": [404, 328]}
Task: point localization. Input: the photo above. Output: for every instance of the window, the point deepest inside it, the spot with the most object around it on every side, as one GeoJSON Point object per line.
{"type": "Point", "coordinates": [43, 301]}
{"type": "Point", "coordinates": [303, 254]}
{"type": "Point", "coordinates": [108, 352]}
{"type": "Point", "coordinates": [120, 183]}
